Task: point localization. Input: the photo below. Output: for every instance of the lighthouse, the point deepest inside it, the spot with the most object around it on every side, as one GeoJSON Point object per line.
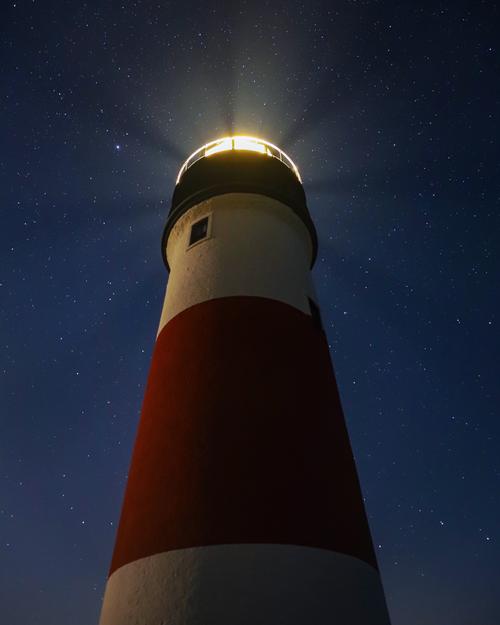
{"type": "Point", "coordinates": [242, 505]}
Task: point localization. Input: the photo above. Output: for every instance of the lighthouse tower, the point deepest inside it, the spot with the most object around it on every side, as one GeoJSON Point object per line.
{"type": "Point", "coordinates": [242, 505]}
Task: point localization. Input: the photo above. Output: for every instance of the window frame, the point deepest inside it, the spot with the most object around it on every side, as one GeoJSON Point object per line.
{"type": "Point", "coordinates": [208, 235]}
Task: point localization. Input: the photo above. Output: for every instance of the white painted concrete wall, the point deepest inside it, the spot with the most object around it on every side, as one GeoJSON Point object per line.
{"type": "Point", "coordinates": [257, 247]}
{"type": "Point", "coordinates": [245, 585]}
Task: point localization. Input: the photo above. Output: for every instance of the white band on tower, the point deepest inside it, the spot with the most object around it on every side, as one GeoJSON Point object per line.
{"type": "Point", "coordinates": [256, 247]}
{"type": "Point", "coordinates": [245, 585]}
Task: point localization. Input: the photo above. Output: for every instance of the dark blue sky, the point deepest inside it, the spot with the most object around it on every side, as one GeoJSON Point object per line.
{"type": "Point", "coordinates": [391, 112]}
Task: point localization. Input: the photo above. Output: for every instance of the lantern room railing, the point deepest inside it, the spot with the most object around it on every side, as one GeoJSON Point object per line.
{"type": "Point", "coordinates": [251, 144]}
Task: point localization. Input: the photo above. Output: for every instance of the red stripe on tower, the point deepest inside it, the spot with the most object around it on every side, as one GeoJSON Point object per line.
{"type": "Point", "coordinates": [242, 503]}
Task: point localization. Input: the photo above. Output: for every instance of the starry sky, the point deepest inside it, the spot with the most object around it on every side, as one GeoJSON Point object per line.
{"type": "Point", "coordinates": [391, 112]}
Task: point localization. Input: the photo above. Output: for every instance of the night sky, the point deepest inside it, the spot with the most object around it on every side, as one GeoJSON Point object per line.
{"type": "Point", "coordinates": [391, 112]}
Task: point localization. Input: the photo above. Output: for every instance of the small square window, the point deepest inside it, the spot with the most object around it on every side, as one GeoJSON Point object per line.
{"type": "Point", "coordinates": [199, 231]}
{"type": "Point", "coordinates": [315, 314]}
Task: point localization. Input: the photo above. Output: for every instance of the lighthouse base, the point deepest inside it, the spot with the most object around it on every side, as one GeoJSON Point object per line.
{"type": "Point", "coordinates": [250, 584]}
